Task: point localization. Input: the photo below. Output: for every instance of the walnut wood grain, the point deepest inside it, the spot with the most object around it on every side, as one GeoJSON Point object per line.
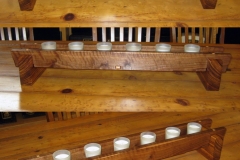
{"type": "Point", "coordinates": [204, 141]}
{"type": "Point", "coordinates": [208, 4]}
{"type": "Point", "coordinates": [26, 5]}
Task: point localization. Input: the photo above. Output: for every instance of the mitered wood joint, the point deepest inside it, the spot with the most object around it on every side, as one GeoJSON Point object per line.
{"type": "Point", "coordinates": [208, 4]}
{"type": "Point", "coordinates": [26, 5]}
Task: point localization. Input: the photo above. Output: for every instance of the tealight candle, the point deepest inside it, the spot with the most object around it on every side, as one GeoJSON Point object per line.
{"type": "Point", "coordinates": [121, 143]}
{"type": "Point", "coordinates": [92, 149]}
{"type": "Point", "coordinates": [193, 48]}
{"type": "Point", "coordinates": [147, 137]}
{"type": "Point", "coordinates": [162, 47]}
{"type": "Point", "coordinates": [193, 127]}
{"type": "Point", "coordinates": [104, 46]}
{"type": "Point", "coordinates": [75, 46]}
{"type": "Point", "coordinates": [62, 155]}
{"type": "Point", "coordinates": [50, 45]}
{"type": "Point", "coordinates": [133, 47]}
{"type": "Point", "coordinates": [172, 132]}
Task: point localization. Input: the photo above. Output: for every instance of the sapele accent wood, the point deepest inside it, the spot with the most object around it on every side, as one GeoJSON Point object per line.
{"type": "Point", "coordinates": [146, 60]}
{"type": "Point", "coordinates": [26, 5]}
{"type": "Point", "coordinates": [208, 142]}
{"type": "Point", "coordinates": [208, 4]}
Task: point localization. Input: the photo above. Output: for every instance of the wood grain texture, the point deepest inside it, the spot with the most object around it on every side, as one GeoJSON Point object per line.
{"type": "Point", "coordinates": [117, 90]}
{"type": "Point", "coordinates": [124, 13]}
{"type": "Point", "coordinates": [77, 132]}
{"type": "Point", "coordinates": [209, 4]}
{"type": "Point", "coordinates": [149, 60]}
{"type": "Point", "coordinates": [211, 78]}
{"type": "Point", "coordinates": [161, 148]}
{"type": "Point", "coordinates": [28, 73]}
{"type": "Point", "coordinates": [26, 5]}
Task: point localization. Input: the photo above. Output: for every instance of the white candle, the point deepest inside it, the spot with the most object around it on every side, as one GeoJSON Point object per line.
{"type": "Point", "coordinates": [147, 137]}
{"type": "Point", "coordinates": [75, 46]}
{"type": "Point", "coordinates": [193, 48]}
{"type": "Point", "coordinates": [50, 45]}
{"type": "Point", "coordinates": [193, 127]}
{"type": "Point", "coordinates": [121, 143]}
{"type": "Point", "coordinates": [92, 149]}
{"type": "Point", "coordinates": [162, 47]}
{"type": "Point", "coordinates": [62, 155]}
{"type": "Point", "coordinates": [104, 46]}
{"type": "Point", "coordinates": [172, 132]}
{"type": "Point", "coordinates": [133, 47]}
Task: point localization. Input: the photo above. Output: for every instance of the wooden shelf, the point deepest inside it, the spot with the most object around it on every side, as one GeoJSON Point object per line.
{"type": "Point", "coordinates": [208, 142]}
{"type": "Point", "coordinates": [209, 64]}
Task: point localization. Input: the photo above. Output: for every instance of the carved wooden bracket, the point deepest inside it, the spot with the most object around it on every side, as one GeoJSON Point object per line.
{"type": "Point", "coordinates": [26, 5]}
{"type": "Point", "coordinates": [208, 4]}
{"type": "Point", "coordinates": [208, 142]}
{"type": "Point", "coordinates": [209, 66]}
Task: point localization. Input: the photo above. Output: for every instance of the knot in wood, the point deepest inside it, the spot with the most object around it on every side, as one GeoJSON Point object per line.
{"type": "Point", "coordinates": [67, 90]}
{"type": "Point", "coordinates": [69, 17]}
{"type": "Point", "coordinates": [182, 102]}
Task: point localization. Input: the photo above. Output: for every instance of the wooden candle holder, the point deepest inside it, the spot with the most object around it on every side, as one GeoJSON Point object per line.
{"type": "Point", "coordinates": [208, 142]}
{"type": "Point", "coordinates": [209, 64]}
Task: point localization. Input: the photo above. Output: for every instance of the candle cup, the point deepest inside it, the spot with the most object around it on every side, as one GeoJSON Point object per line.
{"type": "Point", "coordinates": [192, 48]}
{"type": "Point", "coordinates": [172, 132]}
{"type": "Point", "coordinates": [147, 137]}
{"type": "Point", "coordinates": [163, 47]}
{"type": "Point", "coordinates": [133, 47]}
{"type": "Point", "coordinates": [76, 46]}
{"type": "Point", "coordinates": [62, 155]}
{"type": "Point", "coordinates": [104, 46]}
{"type": "Point", "coordinates": [92, 149]}
{"type": "Point", "coordinates": [121, 143]}
{"type": "Point", "coordinates": [50, 45]}
{"type": "Point", "coordinates": [193, 127]}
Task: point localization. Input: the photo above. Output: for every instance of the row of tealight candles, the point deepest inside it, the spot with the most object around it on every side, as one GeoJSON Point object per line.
{"type": "Point", "coordinates": [121, 143]}
{"type": "Point", "coordinates": [107, 46]}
